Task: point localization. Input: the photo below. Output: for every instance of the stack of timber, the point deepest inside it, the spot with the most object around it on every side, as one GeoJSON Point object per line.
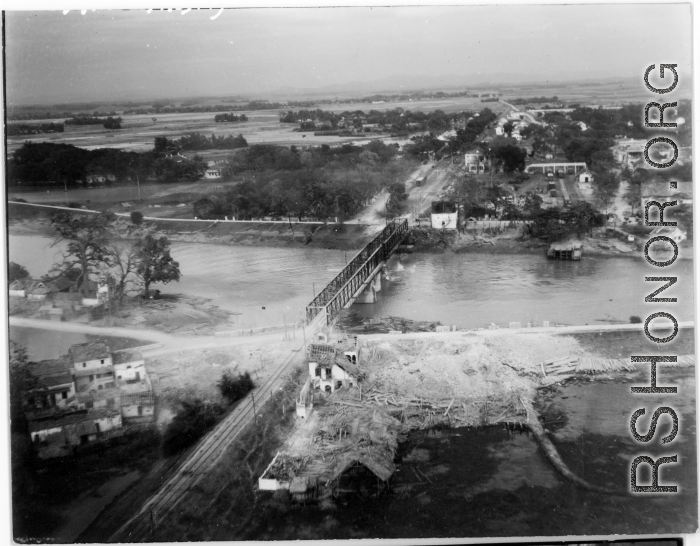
{"type": "Point", "coordinates": [565, 367]}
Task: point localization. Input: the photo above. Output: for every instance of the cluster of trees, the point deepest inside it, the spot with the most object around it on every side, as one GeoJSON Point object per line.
{"type": "Point", "coordinates": [534, 100]}
{"type": "Point", "coordinates": [196, 417]}
{"type": "Point", "coordinates": [107, 123]}
{"type": "Point", "coordinates": [15, 129]}
{"type": "Point", "coordinates": [44, 162]}
{"type": "Point", "coordinates": [93, 250]}
{"type": "Point", "coordinates": [554, 224]}
{"type": "Point", "coordinates": [477, 199]}
{"type": "Point", "coordinates": [420, 95]}
{"type": "Point", "coordinates": [163, 108]}
{"type": "Point", "coordinates": [397, 120]}
{"type": "Point", "coordinates": [220, 118]}
{"type": "Point", "coordinates": [322, 182]}
{"type": "Point", "coordinates": [40, 112]}
{"type": "Point", "coordinates": [464, 139]}
{"type": "Point", "coordinates": [198, 141]}
{"type": "Point", "coordinates": [191, 422]}
{"type": "Point", "coordinates": [234, 387]}
{"type": "Point", "coordinates": [397, 196]}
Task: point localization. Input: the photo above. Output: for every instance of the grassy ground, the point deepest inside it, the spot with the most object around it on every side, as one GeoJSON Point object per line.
{"type": "Point", "coordinates": [222, 504]}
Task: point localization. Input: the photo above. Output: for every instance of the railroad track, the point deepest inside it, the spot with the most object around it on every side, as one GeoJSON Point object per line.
{"type": "Point", "coordinates": [204, 456]}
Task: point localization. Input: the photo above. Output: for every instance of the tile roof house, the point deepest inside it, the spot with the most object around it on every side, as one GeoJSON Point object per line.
{"type": "Point", "coordinates": [83, 395]}
{"type": "Point", "coordinates": [90, 351]}
{"type": "Point", "coordinates": [38, 289]}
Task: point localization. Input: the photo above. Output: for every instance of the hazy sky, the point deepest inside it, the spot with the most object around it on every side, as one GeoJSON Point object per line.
{"type": "Point", "coordinates": [104, 55]}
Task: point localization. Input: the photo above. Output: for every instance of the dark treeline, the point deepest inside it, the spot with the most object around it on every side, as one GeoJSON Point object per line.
{"type": "Point", "coordinates": [220, 118]}
{"type": "Point", "coordinates": [198, 141]}
{"type": "Point", "coordinates": [534, 100]}
{"type": "Point", "coordinates": [14, 129]}
{"type": "Point", "coordinates": [107, 123]}
{"type": "Point", "coordinates": [419, 95]}
{"type": "Point", "coordinates": [37, 164]}
{"type": "Point", "coordinates": [40, 112]}
{"type": "Point", "coordinates": [160, 108]}
{"type": "Point", "coordinates": [321, 182]}
{"type": "Point", "coordinates": [397, 120]}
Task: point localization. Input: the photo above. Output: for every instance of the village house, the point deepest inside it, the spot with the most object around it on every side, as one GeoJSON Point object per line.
{"type": "Point", "coordinates": [584, 177]}
{"type": "Point", "coordinates": [17, 289]}
{"type": "Point", "coordinates": [674, 233]}
{"type": "Point", "coordinates": [629, 153]}
{"type": "Point", "coordinates": [212, 174]}
{"type": "Point", "coordinates": [37, 289]}
{"type": "Point", "coordinates": [63, 295]}
{"type": "Point", "coordinates": [474, 161]}
{"type": "Point", "coordinates": [135, 389]}
{"type": "Point", "coordinates": [658, 189]}
{"type": "Point", "coordinates": [84, 396]}
{"type": "Point", "coordinates": [331, 372]}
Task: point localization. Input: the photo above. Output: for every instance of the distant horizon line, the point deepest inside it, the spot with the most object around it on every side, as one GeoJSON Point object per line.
{"type": "Point", "coordinates": [319, 93]}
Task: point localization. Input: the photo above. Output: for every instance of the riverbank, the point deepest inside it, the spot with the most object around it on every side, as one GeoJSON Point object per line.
{"type": "Point", "coordinates": [25, 220]}
{"type": "Point", "coordinates": [458, 482]}
{"type": "Point", "coordinates": [512, 241]}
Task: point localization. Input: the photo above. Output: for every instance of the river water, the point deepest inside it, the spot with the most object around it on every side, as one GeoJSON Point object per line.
{"type": "Point", "coordinates": [468, 290]}
{"type": "Point", "coordinates": [487, 482]}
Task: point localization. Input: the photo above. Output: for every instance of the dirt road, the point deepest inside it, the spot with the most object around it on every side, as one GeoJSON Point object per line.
{"type": "Point", "coordinates": [420, 197]}
{"type": "Point", "coordinates": [169, 343]}
{"type": "Point", "coordinates": [371, 214]}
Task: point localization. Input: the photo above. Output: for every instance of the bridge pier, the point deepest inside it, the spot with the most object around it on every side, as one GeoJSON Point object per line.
{"type": "Point", "coordinates": [369, 294]}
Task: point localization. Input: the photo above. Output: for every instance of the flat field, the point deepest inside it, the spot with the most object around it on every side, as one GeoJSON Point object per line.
{"type": "Point", "coordinates": [263, 127]}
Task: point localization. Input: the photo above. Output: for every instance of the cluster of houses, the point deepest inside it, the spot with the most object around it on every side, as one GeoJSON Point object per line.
{"type": "Point", "coordinates": [61, 298]}
{"type": "Point", "coordinates": [85, 396]}
{"type": "Point", "coordinates": [519, 122]}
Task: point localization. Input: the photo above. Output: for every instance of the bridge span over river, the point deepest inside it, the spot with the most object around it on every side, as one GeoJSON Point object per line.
{"type": "Point", "coordinates": [358, 280]}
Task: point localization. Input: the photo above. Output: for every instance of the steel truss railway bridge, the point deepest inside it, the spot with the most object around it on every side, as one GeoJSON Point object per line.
{"type": "Point", "coordinates": [357, 276]}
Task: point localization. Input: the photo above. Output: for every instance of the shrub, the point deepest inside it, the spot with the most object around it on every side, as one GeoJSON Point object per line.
{"type": "Point", "coordinates": [136, 218]}
{"type": "Point", "coordinates": [233, 388]}
{"type": "Point", "coordinates": [190, 423]}
{"type": "Point", "coordinates": [634, 319]}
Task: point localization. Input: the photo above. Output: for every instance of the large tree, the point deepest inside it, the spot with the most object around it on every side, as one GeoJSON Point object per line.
{"type": "Point", "coordinates": [154, 261]}
{"type": "Point", "coordinates": [511, 157]}
{"type": "Point", "coordinates": [86, 237]}
{"type": "Point", "coordinates": [15, 272]}
{"type": "Point", "coordinates": [124, 263]}
{"type": "Point", "coordinates": [607, 184]}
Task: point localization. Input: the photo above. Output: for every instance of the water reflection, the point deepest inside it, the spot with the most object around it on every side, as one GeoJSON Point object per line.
{"type": "Point", "coordinates": [468, 290]}
{"type": "Point", "coordinates": [473, 290]}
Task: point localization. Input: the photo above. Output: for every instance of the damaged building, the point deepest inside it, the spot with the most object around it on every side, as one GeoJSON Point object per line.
{"type": "Point", "coordinates": [85, 396]}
